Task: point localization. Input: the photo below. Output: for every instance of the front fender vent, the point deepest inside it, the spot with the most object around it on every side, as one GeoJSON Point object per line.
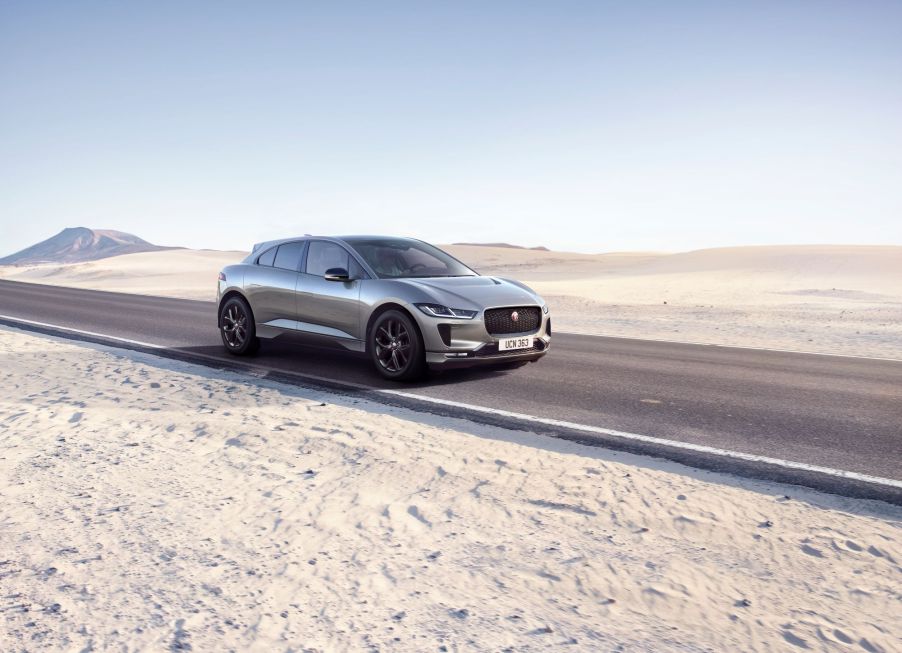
{"type": "Point", "coordinates": [444, 330]}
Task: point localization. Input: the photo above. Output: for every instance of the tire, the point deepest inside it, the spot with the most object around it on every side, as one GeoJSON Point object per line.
{"type": "Point", "coordinates": [237, 328]}
{"type": "Point", "coordinates": [396, 347]}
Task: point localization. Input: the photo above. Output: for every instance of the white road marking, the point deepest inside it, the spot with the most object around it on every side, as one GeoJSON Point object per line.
{"type": "Point", "coordinates": [139, 343]}
{"type": "Point", "coordinates": [546, 421]}
{"type": "Point", "coordinates": [251, 369]}
{"type": "Point", "coordinates": [726, 453]}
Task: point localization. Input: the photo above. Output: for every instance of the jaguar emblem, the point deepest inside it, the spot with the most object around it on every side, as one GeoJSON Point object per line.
{"type": "Point", "coordinates": [515, 316]}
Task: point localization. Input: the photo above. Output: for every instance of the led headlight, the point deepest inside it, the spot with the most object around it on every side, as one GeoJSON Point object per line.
{"type": "Point", "coordinates": [437, 310]}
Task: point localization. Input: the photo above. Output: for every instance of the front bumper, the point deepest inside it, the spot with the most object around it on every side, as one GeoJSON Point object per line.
{"type": "Point", "coordinates": [467, 343]}
{"type": "Point", "coordinates": [453, 361]}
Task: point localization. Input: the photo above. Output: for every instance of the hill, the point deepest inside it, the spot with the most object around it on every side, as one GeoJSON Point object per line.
{"type": "Point", "coordinates": [80, 244]}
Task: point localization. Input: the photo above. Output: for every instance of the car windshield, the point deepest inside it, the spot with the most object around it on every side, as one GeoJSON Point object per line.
{"type": "Point", "coordinates": [403, 258]}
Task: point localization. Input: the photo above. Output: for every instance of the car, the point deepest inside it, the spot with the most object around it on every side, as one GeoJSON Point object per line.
{"type": "Point", "coordinates": [407, 304]}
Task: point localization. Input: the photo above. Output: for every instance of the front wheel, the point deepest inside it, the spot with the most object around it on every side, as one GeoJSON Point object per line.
{"type": "Point", "coordinates": [396, 347]}
{"type": "Point", "coordinates": [236, 326]}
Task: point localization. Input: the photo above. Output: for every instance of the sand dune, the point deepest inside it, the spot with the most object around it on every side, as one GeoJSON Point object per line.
{"type": "Point", "coordinates": [793, 259]}
{"type": "Point", "coordinates": [838, 299]}
{"type": "Point", "coordinates": [153, 505]}
{"type": "Point", "coordinates": [183, 273]}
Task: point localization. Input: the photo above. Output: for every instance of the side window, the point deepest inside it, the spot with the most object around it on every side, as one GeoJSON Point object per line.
{"type": "Point", "coordinates": [289, 256]}
{"type": "Point", "coordinates": [322, 255]}
{"type": "Point", "coordinates": [267, 257]}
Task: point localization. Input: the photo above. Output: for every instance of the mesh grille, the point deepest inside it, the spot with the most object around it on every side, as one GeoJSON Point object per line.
{"type": "Point", "coordinates": [500, 321]}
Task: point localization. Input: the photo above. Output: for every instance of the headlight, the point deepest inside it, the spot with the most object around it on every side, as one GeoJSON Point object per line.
{"type": "Point", "coordinates": [545, 309]}
{"type": "Point", "coordinates": [437, 310]}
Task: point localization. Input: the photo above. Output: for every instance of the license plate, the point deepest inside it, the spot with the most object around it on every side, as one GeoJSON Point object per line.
{"type": "Point", "coordinates": [514, 343]}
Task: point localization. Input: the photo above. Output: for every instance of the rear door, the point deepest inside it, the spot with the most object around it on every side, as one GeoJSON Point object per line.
{"type": "Point", "coordinates": [271, 285]}
{"type": "Point", "coordinates": [329, 308]}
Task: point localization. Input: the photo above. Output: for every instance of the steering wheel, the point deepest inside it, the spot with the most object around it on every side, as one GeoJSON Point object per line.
{"type": "Point", "coordinates": [417, 266]}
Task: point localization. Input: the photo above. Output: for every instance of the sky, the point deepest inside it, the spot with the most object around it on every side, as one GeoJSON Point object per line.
{"type": "Point", "coordinates": [580, 126]}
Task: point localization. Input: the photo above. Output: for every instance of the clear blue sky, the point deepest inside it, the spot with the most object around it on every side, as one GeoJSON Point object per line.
{"type": "Point", "coordinates": [584, 126]}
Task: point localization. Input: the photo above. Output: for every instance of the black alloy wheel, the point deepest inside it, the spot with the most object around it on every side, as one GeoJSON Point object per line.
{"type": "Point", "coordinates": [396, 347]}
{"type": "Point", "coordinates": [236, 325]}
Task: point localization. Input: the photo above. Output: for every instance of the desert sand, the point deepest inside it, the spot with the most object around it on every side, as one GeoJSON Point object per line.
{"type": "Point", "coordinates": [155, 505]}
{"type": "Point", "coordinates": [182, 273]}
{"type": "Point", "coordinates": [820, 298]}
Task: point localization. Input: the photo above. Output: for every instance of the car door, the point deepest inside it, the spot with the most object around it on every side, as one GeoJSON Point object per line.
{"type": "Point", "coordinates": [329, 308]}
{"type": "Point", "coordinates": [271, 285]}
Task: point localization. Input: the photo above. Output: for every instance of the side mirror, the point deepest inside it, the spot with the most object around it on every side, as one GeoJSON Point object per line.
{"type": "Point", "coordinates": [337, 274]}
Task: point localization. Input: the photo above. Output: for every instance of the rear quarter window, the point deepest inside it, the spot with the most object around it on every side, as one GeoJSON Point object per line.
{"type": "Point", "coordinates": [267, 258]}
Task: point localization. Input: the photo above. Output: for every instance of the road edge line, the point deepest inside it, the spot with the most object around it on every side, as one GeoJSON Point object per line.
{"type": "Point", "coordinates": [697, 456]}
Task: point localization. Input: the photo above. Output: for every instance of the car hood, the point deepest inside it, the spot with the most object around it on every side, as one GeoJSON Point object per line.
{"type": "Point", "coordinates": [474, 293]}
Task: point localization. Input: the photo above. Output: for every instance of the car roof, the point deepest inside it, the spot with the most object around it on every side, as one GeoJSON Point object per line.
{"type": "Point", "coordinates": [259, 248]}
{"type": "Point", "coordinates": [266, 244]}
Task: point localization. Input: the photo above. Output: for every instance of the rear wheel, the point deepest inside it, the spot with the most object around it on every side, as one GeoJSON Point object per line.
{"type": "Point", "coordinates": [396, 347]}
{"type": "Point", "coordinates": [236, 326]}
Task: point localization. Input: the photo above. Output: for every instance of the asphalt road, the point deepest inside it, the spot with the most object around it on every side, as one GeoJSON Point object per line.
{"type": "Point", "coordinates": [837, 412]}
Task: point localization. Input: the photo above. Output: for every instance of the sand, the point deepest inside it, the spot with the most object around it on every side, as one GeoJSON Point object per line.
{"type": "Point", "coordinates": [832, 299]}
{"type": "Point", "coordinates": [155, 505]}
{"type": "Point", "coordinates": [182, 273]}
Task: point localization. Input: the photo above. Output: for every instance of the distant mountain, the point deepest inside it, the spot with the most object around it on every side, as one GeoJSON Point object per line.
{"type": "Point", "coordinates": [79, 244]}
{"type": "Point", "coordinates": [507, 245]}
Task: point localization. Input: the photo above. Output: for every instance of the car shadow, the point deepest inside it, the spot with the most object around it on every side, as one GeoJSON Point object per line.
{"type": "Point", "coordinates": [333, 363]}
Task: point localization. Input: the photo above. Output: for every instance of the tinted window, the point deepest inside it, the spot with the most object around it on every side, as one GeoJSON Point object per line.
{"type": "Point", "coordinates": [403, 258]}
{"type": "Point", "coordinates": [323, 255]}
{"type": "Point", "coordinates": [267, 257]}
{"type": "Point", "coordinates": [289, 256]}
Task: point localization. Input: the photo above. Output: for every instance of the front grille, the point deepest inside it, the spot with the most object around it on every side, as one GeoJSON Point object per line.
{"type": "Point", "coordinates": [499, 321]}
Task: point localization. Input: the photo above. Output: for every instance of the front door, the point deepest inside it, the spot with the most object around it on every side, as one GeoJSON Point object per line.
{"type": "Point", "coordinates": [329, 308]}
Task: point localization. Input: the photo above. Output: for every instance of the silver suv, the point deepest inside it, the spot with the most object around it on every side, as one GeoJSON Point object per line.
{"type": "Point", "coordinates": [406, 303]}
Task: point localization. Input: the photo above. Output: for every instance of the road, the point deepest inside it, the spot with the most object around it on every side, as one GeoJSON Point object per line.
{"type": "Point", "coordinates": [837, 412]}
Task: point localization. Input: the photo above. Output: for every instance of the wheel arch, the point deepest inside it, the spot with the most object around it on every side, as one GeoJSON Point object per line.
{"type": "Point", "coordinates": [383, 308]}
{"type": "Point", "coordinates": [226, 297]}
